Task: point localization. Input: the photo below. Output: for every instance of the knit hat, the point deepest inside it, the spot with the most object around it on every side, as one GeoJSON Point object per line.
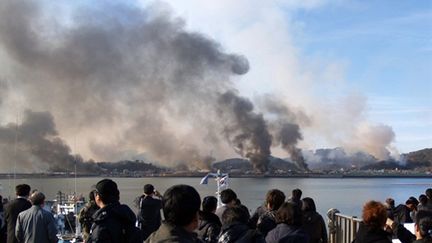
{"type": "Point", "coordinates": [108, 190]}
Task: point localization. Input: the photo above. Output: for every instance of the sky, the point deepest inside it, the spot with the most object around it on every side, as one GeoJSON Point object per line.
{"type": "Point", "coordinates": [378, 51]}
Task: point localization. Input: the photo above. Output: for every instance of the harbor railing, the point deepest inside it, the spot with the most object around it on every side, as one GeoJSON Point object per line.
{"type": "Point", "coordinates": [342, 228]}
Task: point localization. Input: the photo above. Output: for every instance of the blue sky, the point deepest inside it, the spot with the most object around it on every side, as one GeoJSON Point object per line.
{"type": "Point", "coordinates": [376, 54]}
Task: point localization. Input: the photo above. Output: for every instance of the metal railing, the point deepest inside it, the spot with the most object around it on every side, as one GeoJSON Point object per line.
{"type": "Point", "coordinates": [342, 228]}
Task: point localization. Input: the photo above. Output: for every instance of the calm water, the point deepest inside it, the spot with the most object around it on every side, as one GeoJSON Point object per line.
{"type": "Point", "coordinates": [347, 195]}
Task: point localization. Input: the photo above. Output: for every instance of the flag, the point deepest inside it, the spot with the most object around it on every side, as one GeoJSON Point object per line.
{"type": "Point", "coordinates": [224, 181]}
{"type": "Point", "coordinates": [204, 180]}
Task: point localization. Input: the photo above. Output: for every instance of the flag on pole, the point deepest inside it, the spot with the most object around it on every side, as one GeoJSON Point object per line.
{"type": "Point", "coordinates": [224, 181]}
{"type": "Point", "coordinates": [204, 180]}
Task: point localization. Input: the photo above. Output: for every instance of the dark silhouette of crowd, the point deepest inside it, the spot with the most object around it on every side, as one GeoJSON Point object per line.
{"type": "Point", "coordinates": [187, 219]}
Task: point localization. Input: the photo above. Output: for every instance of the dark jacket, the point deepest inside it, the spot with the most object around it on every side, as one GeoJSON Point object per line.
{"type": "Point", "coordinates": [149, 216]}
{"type": "Point", "coordinates": [367, 234]}
{"type": "Point", "coordinates": [266, 222]}
{"type": "Point", "coordinates": [402, 215]}
{"type": "Point", "coordinates": [11, 214]}
{"type": "Point", "coordinates": [85, 217]}
{"type": "Point", "coordinates": [109, 223]}
{"type": "Point", "coordinates": [314, 226]}
{"type": "Point", "coordinates": [209, 227]}
{"type": "Point", "coordinates": [425, 240]}
{"type": "Point", "coordinates": [168, 233]}
{"type": "Point", "coordinates": [36, 225]}
{"type": "Point", "coordinates": [256, 215]}
{"type": "Point", "coordinates": [240, 233]}
{"type": "Point", "coordinates": [284, 233]}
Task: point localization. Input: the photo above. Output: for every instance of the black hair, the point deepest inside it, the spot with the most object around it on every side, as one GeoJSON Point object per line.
{"type": "Point", "coordinates": [308, 205]}
{"type": "Point", "coordinates": [22, 190]}
{"type": "Point", "coordinates": [227, 196]}
{"type": "Point", "coordinates": [180, 204]}
{"type": "Point", "coordinates": [235, 214]}
{"type": "Point", "coordinates": [209, 204]}
{"type": "Point", "coordinates": [428, 193]}
{"type": "Point", "coordinates": [423, 199]}
{"type": "Point", "coordinates": [289, 213]}
{"type": "Point", "coordinates": [296, 194]}
{"type": "Point", "coordinates": [108, 191]}
{"type": "Point", "coordinates": [148, 189]}
{"type": "Point", "coordinates": [92, 195]}
{"type": "Point", "coordinates": [424, 223]}
{"type": "Point", "coordinates": [275, 198]}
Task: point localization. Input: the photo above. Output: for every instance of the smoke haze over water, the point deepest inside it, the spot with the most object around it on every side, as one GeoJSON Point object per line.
{"type": "Point", "coordinates": [127, 83]}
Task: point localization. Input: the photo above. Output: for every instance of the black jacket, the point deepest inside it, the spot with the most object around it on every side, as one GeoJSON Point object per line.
{"type": "Point", "coordinates": [402, 215]}
{"type": "Point", "coordinates": [314, 226]}
{"type": "Point", "coordinates": [366, 234]}
{"type": "Point", "coordinates": [284, 233]}
{"type": "Point", "coordinates": [149, 216]}
{"type": "Point", "coordinates": [11, 214]}
{"type": "Point", "coordinates": [209, 227]}
{"type": "Point", "coordinates": [109, 223]}
{"type": "Point", "coordinates": [240, 233]}
{"type": "Point", "coordinates": [266, 222]}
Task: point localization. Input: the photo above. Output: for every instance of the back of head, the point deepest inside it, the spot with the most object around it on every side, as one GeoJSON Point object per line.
{"type": "Point", "coordinates": [412, 202]}
{"type": "Point", "coordinates": [227, 196]}
{"type": "Point", "coordinates": [235, 214]}
{"type": "Point", "coordinates": [374, 214]}
{"type": "Point", "coordinates": [22, 190]}
{"type": "Point", "coordinates": [390, 202]}
{"type": "Point", "coordinates": [148, 189]}
{"type": "Point", "coordinates": [181, 204]}
{"type": "Point", "coordinates": [423, 199]}
{"type": "Point", "coordinates": [424, 223]}
{"type": "Point", "coordinates": [308, 205]}
{"type": "Point", "coordinates": [209, 204]}
{"type": "Point", "coordinates": [296, 194]}
{"type": "Point", "coordinates": [428, 193]}
{"type": "Point", "coordinates": [275, 198]}
{"type": "Point", "coordinates": [108, 191]}
{"type": "Point", "coordinates": [92, 195]}
{"type": "Point", "coordinates": [289, 213]}
{"type": "Point", "coordinates": [37, 198]}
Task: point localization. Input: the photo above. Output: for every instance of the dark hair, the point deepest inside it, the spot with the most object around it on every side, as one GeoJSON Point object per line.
{"type": "Point", "coordinates": [424, 223]}
{"type": "Point", "coordinates": [92, 195]}
{"type": "Point", "coordinates": [308, 205]}
{"type": "Point", "coordinates": [235, 214]}
{"type": "Point", "coordinates": [374, 214]}
{"type": "Point", "coordinates": [413, 201]}
{"type": "Point", "coordinates": [275, 198]}
{"type": "Point", "coordinates": [227, 196]}
{"type": "Point", "coordinates": [289, 213]}
{"type": "Point", "coordinates": [22, 190]}
{"type": "Point", "coordinates": [108, 191]}
{"type": "Point", "coordinates": [209, 204]}
{"type": "Point", "coordinates": [296, 194]}
{"type": "Point", "coordinates": [180, 204]}
{"type": "Point", "coordinates": [37, 198]}
{"type": "Point", "coordinates": [148, 189]}
{"type": "Point", "coordinates": [423, 199]}
{"type": "Point", "coordinates": [428, 193]}
{"type": "Point", "coordinates": [390, 202]}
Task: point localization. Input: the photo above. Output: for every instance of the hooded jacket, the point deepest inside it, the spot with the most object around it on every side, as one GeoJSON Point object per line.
{"type": "Point", "coordinates": [287, 233]}
{"type": "Point", "coordinates": [367, 234]}
{"type": "Point", "coordinates": [109, 223]}
{"type": "Point", "coordinates": [209, 227]}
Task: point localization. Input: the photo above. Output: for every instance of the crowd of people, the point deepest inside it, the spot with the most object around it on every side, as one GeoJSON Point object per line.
{"type": "Point", "coordinates": [187, 218]}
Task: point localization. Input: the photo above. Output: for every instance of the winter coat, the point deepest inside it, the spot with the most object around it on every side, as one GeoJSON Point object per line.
{"type": "Point", "coordinates": [36, 225]}
{"type": "Point", "coordinates": [149, 216]}
{"type": "Point", "coordinates": [256, 215]}
{"type": "Point", "coordinates": [367, 234]}
{"type": "Point", "coordinates": [284, 233]}
{"type": "Point", "coordinates": [239, 233]}
{"type": "Point", "coordinates": [209, 227]}
{"type": "Point", "coordinates": [314, 226]}
{"type": "Point", "coordinates": [168, 233]}
{"type": "Point", "coordinates": [402, 214]}
{"type": "Point", "coordinates": [266, 222]}
{"type": "Point", "coordinates": [425, 240]}
{"type": "Point", "coordinates": [109, 223]}
{"type": "Point", "coordinates": [85, 217]}
{"type": "Point", "coordinates": [11, 214]}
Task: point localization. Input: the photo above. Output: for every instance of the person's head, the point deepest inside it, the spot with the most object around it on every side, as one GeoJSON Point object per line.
{"type": "Point", "coordinates": [235, 214]}
{"type": "Point", "coordinates": [181, 204]}
{"type": "Point", "coordinates": [37, 198]}
{"type": "Point", "coordinates": [289, 213]}
{"type": "Point", "coordinates": [423, 199]}
{"type": "Point", "coordinates": [412, 203]}
{"type": "Point", "coordinates": [228, 196]}
{"type": "Point", "coordinates": [296, 194]}
{"type": "Point", "coordinates": [374, 214]}
{"type": "Point", "coordinates": [308, 205]}
{"type": "Point", "coordinates": [209, 204]}
{"type": "Point", "coordinates": [92, 195]}
{"type": "Point", "coordinates": [274, 199]}
{"type": "Point", "coordinates": [148, 189]}
{"type": "Point", "coordinates": [423, 224]}
{"type": "Point", "coordinates": [22, 190]}
{"type": "Point", "coordinates": [106, 192]}
{"type": "Point", "coordinates": [428, 193]}
{"type": "Point", "coordinates": [390, 203]}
